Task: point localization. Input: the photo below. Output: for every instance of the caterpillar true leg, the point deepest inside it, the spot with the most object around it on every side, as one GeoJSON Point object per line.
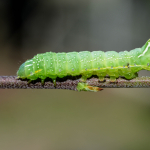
{"type": "Point", "coordinates": [54, 82]}
{"type": "Point", "coordinates": [42, 81]}
{"type": "Point", "coordinates": [29, 81]}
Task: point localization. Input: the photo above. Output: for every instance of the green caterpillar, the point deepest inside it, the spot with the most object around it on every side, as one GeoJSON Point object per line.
{"type": "Point", "coordinates": [87, 63]}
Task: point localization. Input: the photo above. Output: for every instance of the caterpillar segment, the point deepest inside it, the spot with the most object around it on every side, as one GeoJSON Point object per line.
{"type": "Point", "coordinates": [86, 63]}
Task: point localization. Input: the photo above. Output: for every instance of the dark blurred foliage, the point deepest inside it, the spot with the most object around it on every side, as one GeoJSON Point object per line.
{"type": "Point", "coordinates": [74, 25]}
{"type": "Point", "coordinates": [17, 14]}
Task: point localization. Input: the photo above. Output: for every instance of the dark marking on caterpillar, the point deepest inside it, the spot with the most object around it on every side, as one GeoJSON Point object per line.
{"type": "Point", "coordinates": [86, 64]}
{"type": "Point", "coordinates": [128, 65]}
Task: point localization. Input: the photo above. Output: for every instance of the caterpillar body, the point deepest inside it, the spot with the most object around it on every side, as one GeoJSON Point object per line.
{"type": "Point", "coordinates": [87, 63]}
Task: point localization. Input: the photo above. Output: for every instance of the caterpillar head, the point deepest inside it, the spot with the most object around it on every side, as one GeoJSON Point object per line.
{"type": "Point", "coordinates": [145, 56]}
{"type": "Point", "coordinates": [26, 70]}
{"type": "Point", "coordinates": [21, 71]}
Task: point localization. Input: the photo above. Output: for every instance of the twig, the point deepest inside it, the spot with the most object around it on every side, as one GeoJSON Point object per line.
{"type": "Point", "coordinates": [11, 82]}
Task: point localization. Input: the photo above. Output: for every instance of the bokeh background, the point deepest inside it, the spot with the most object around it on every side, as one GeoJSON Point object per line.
{"type": "Point", "coordinates": [62, 119]}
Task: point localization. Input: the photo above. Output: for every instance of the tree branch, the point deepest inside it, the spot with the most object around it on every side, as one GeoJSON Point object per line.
{"type": "Point", "coordinates": [11, 82]}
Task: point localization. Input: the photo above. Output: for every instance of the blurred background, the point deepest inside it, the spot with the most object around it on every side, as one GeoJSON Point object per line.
{"type": "Point", "coordinates": [60, 119]}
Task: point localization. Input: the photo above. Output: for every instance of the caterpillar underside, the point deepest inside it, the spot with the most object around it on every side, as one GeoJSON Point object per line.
{"type": "Point", "coordinates": [86, 63]}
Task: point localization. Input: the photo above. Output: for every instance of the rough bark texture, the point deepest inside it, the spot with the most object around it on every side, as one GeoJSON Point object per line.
{"type": "Point", "coordinates": [11, 82]}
